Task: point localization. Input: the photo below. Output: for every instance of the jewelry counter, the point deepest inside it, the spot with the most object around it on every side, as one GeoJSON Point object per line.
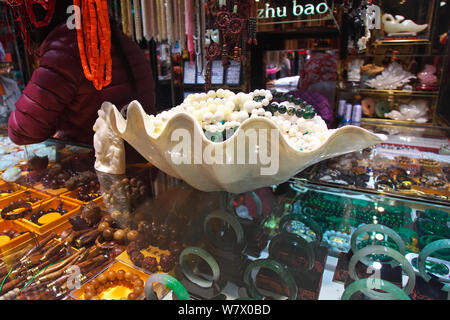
{"type": "Point", "coordinates": [69, 232]}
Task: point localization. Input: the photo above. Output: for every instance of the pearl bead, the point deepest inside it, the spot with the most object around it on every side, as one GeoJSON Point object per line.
{"type": "Point", "coordinates": [242, 116]}
{"type": "Point", "coordinates": [211, 94]}
{"type": "Point", "coordinates": [268, 114]}
{"type": "Point", "coordinates": [219, 116]}
{"type": "Point", "coordinates": [212, 128]}
{"type": "Point", "coordinates": [207, 116]}
{"type": "Point", "coordinates": [265, 102]}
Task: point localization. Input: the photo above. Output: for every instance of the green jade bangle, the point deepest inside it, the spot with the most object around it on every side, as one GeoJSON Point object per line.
{"type": "Point", "coordinates": [165, 280]}
{"type": "Point", "coordinates": [189, 274]}
{"type": "Point", "coordinates": [370, 284]}
{"type": "Point", "coordinates": [296, 241]}
{"type": "Point", "coordinates": [381, 229]}
{"type": "Point", "coordinates": [276, 267]}
{"type": "Point", "coordinates": [428, 251]}
{"type": "Point", "coordinates": [228, 218]}
{"type": "Point", "coordinates": [407, 267]}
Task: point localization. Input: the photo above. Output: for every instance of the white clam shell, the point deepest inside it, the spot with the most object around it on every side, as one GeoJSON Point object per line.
{"type": "Point", "coordinates": [157, 148]}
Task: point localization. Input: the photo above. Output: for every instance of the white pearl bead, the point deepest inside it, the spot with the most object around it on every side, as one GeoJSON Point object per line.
{"type": "Point", "coordinates": [207, 116]}
{"type": "Point", "coordinates": [242, 116]}
{"type": "Point", "coordinates": [268, 114]}
{"type": "Point", "coordinates": [255, 111]}
{"type": "Point", "coordinates": [269, 96]}
{"type": "Point", "coordinates": [286, 127]}
{"type": "Point", "coordinates": [211, 94]}
{"type": "Point", "coordinates": [265, 102]}
{"type": "Point", "coordinates": [213, 128]}
{"type": "Point", "coordinates": [219, 115]}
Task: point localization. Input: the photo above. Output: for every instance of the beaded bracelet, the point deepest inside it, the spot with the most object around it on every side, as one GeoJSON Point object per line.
{"type": "Point", "coordinates": [276, 267]}
{"type": "Point", "coordinates": [13, 206]}
{"type": "Point", "coordinates": [370, 284]}
{"type": "Point", "coordinates": [113, 278]}
{"type": "Point", "coordinates": [165, 280]}
{"type": "Point", "coordinates": [369, 250]}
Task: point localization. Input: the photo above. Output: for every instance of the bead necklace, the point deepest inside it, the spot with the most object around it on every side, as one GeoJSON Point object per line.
{"type": "Point", "coordinates": [94, 41]}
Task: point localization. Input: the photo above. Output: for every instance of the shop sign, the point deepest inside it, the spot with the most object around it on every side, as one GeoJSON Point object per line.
{"type": "Point", "coordinates": [276, 12]}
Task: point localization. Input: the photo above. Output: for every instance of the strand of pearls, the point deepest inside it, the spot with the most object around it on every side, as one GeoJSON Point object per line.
{"type": "Point", "coordinates": [223, 110]}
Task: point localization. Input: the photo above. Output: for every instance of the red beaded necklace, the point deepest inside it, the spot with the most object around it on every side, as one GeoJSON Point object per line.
{"type": "Point", "coordinates": [25, 18]}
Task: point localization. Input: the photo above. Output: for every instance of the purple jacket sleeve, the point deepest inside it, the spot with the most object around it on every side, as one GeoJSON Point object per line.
{"type": "Point", "coordinates": [51, 89]}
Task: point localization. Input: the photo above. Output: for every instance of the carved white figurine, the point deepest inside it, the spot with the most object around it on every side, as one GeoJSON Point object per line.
{"type": "Point", "coordinates": [393, 77]}
{"type": "Point", "coordinates": [416, 110]}
{"type": "Point", "coordinates": [263, 149]}
{"type": "Point", "coordinates": [400, 26]}
{"type": "Point", "coordinates": [354, 70]}
{"type": "Point", "coordinates": [109, 147]}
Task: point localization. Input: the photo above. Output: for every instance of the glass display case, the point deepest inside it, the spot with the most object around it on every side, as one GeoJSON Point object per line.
{"type": "Point", "coordinates": [69, 232]}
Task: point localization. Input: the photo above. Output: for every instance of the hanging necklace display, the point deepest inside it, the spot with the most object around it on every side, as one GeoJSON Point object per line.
{"type": "Point", "coordinates": [25, 19]}
{"type": "Point", "coordinates": [123, 9]}
{"type": "Point", "coordinates": [169, 21]}
{"type": "Point", "coordinates": [146, 20]}
{"type": "Point", "coordinates": [138, 19]}
{"type": "Point", "coordinates": [189, 22]}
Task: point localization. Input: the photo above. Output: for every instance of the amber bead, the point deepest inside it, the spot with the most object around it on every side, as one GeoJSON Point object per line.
{"type": "Point", "coordinates": [134, 278]}
{"type": "Point", "coordinates": [119, 236]}
{"type": "Point", "coordinates": [102, 226]}
{"type": "Point", "coordinates": [138, 282]}
{"type": "Point", "coordinates": [89, 288]}
{"type": "Point", "coordinates": [132, 235]}
{"type": "Point", "coordinates": [128, 276]}
{"type": "Point", "coordinates": [111, 275]}
{"type": "Point", "coordinates": [132, 296]}
{"type": "Point", "coordinates": [102, 279]}
{"type": "Point", "coordinates": [95, 283]}
{"type": "Point", "coordinates": [88, 295]}
{"type": "Point", "coordinates": [108, 234]}
{"type": "Point", "coordinates": [137, 290]}
{"type": "Point", "coordinates": [120, 275]}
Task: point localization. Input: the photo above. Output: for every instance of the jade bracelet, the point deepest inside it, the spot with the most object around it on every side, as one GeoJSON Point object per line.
{"type": "Point", "coordinates": [428, 251]}
{"type": "Point", "coordinates": [165, 280]}
{"type": "Point", "coordinates": [190, 275]}
{"type": "Point", "coordinates": [370, 284]}
{"type": "Point", "coordinates": [295, 241]}
{"type": "Point", "coordinates": [276, 267]}
{"type": "Point", "coordinates": [407, 267]}
{"type": "Point", "coordinates": [377, 228]}
{"type": "Point", "coordinates": [229, 219]}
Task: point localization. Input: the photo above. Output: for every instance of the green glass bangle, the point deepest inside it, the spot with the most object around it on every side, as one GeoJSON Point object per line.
{"type": "Point", "coordinates": [428, 251]}
{"type": "Point", "coordinates": [189, 274]}
{"type": "Point", "coordinates": [370, 284]}
{"type": "Point", "coordinates": [310, 223]}
{"type": "Point", "coordinates": [276, 267]}
{"type": "Point", "coordinates": [165, 280]}
{"type": "Point", "coordinates": [407, 267]}
{"type": "Point", "coordinates": [296, 241]}
{"type": "Point", "coordinates": [376, 228]}
{"type": "Point", "coordinates": [228, 218]}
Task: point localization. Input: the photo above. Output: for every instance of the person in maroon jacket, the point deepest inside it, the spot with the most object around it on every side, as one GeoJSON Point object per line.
{"type": "Point", "coordinates": [59, 101]}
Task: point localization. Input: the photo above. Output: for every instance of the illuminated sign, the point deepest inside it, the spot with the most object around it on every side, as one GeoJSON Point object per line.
{"type": "Point", "coordinates": [270, 12]}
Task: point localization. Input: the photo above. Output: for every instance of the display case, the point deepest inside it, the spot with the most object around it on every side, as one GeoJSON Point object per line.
{"type": "Point", "coordinates": [146, 235]}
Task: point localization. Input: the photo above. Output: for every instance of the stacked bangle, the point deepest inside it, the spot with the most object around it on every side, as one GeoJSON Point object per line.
{"type": "Point", "coordinates": [165, 280]}
{"type": "Point", "coordinates": [428, 251]}
{"type": "Point", "coordinates": [376, 228]}
{"type": "Point", "coordinates": [276, 267]}
{"type": "Point", "coordinates": [407, 267]}
{"type": "Point", "coordinates": [370, 284]}
{"type": "Point", "coordinates": [189, 274]}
